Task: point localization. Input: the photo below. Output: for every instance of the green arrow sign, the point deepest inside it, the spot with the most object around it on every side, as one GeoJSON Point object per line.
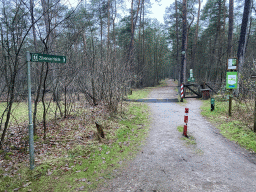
{"type": "Point", "coordinates": [38, 57]}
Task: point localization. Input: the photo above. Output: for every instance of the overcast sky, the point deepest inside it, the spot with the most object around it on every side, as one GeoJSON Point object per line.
{"type": "Point", "coordinates": [158, 9]}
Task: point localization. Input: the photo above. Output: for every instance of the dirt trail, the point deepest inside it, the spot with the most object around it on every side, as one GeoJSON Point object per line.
{"type": "Point", "coordinates": [166, 163]}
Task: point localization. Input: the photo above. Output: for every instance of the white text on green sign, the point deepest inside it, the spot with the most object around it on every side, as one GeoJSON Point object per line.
{"type": "Point", "coordinates": [38, 57]}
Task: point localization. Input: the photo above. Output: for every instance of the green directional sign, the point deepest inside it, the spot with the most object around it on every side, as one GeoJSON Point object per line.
{"type": "Point", "coordinates": [38, 57]}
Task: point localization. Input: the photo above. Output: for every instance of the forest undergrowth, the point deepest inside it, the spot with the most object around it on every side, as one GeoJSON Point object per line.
{"type": "Point", "coordinates": [239, 126]}
{"type": "Point", "coordinates": [73, 156]}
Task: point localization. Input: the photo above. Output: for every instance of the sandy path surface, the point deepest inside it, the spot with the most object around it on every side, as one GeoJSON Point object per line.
{"type": "Point", "coordinates": [166, 163]}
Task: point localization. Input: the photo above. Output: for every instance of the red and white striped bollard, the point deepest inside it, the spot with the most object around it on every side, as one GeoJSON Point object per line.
{"type": "Point", "coordinates": [181, 91]}
{"type": "Point", "coordinates": [185, 121]}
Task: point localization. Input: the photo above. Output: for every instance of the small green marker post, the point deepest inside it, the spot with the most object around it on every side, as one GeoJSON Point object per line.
{"type": "Point", "coordinates": [212, 104]}
{"type": "Point", "coordinates": [30, 126]}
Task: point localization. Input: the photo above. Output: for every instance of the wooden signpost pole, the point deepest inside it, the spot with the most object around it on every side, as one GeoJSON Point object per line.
{"type": "Point", "coordinates": [254, 127]}
{"type": "Point", "coordinates": [253, 77]}
{"type": "Point", "coordinates": [230, 103]}
{"type": "Point", "coordinates": [231, 81]}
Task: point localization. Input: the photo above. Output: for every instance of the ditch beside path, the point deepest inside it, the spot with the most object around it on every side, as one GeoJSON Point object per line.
{"type": "Point", "coordinates": [166, 163]}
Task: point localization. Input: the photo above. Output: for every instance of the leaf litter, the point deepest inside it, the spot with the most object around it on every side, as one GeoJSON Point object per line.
{"type": "Point", "coordinates": [62, 136]}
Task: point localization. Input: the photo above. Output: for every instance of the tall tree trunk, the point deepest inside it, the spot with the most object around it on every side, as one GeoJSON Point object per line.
{"type": "Point", "coordinates": [108, 43]}
{"type": "Point", "coordinates": [243, 39]}
{"type": "Point", "coordinates": [222, 59]}
{"type": "Point", "coordinates": [133, 25]}
{"type": "Point", "coordinates": [140, 50]}
{"type": "Point", "coordinates": [143, 38]}
{"type": "Point", "coordinates": [184, 41]}
{"type": "Point", "coordinates": [47, 21]}
{"type": "Point", "coordinates": [177, 41]}
{"type": "Point", "coordinates": [194, 49]}
{"type": "Point", "coordinates": [40, 76]}
{"type": "Point", "coordinates": [230, 27]}
{"type": "Point", "coordinates": [220, 40]}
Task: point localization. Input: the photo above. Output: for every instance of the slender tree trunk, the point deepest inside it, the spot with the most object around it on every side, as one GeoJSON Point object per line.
{"type": "Point", "coordinates": [43, 101]}
{"type": "Point", "coordinates": [93, 71]}
{"type": "Point", "coordinates": [140, 50]}
{"type": "Point", "coordinates": [143, 38]}
{"type": "Point", "coordinates": [65, 102]}
{"type": "Point", "coordinates": [33, 22]}
{"type": "Point", "coordinates": [41, 75]}
{"type": "Point", "coordinates": [101, 38]}
{"type": "Point", "coordinates": [9, 103]}
{"type": "Point", "coordinates": [37, 99]}
{"type": "Point", "coordinates": [177, 42]}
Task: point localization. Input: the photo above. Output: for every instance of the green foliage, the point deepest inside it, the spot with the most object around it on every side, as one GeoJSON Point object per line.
{"type": "Point", "coordinates": [20, 112]}
{"type": "Point", "coordinates": [9, 153]}
{"type": "Point", "coordinates": [180, 129]}
{"type": "Point", "coordinates": [36, 137]}
{"type": "Point", "coordinates": [190, 140]}
{"type": "Point", "coordinates": [139, 93]}
{"type": "Point", "coordinates": [7, 157]}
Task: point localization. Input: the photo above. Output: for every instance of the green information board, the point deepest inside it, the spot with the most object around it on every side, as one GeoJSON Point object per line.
{"type": "Point", "coordinates": [231, 81]}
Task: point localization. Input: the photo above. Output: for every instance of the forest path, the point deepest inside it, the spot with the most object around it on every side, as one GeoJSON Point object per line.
{"type": "Point", "coordinates": [166, 163]}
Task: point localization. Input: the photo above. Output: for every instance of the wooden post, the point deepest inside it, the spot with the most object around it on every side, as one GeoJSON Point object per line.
{"type": "Point", "coordinates": [230, 103]}
{"type": "Point", "coordinates": [254, 128]}
{"type": "Point", "coordinates": [253, 77]}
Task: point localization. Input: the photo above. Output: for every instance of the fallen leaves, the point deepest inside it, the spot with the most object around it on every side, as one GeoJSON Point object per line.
{"type": "Point", "coordinates": [63, 136]}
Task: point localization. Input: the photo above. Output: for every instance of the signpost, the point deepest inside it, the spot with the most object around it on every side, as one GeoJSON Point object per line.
{"type": "Point", "coordinates": [30, 125]}
{"type": "Point", "coordinates": [231, 81]}
{"type": "Point", "coordinates": [37, 57]}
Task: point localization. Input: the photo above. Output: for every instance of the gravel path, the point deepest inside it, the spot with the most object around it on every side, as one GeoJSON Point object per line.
{"type": "Point", "coordinates": [166, 163]}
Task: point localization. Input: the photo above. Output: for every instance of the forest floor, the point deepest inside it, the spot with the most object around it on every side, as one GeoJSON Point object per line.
{"type": "Point", "coordinates": [206, 161]}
